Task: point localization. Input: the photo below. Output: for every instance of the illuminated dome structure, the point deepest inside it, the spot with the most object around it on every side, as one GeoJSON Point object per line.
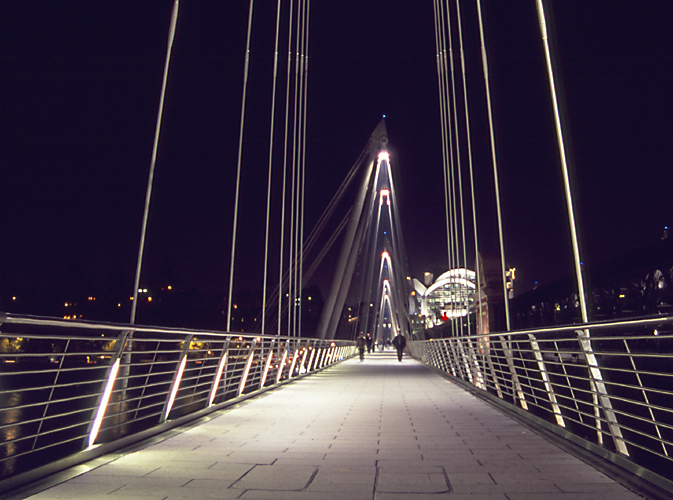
{"type": "Point", "coordinates": [450, 296]}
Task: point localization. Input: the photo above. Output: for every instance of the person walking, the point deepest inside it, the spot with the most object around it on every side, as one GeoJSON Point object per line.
{"type": "Point", "coordinates": [369, 341]}
{"type": "Point", "coordinates": [360, 344]}
{"type": "Point", "coordinates": [400, 343]}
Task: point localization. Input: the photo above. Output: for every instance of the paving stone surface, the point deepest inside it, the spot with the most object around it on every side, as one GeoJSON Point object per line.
{"type": "Point", "coordinates": [372, 430]}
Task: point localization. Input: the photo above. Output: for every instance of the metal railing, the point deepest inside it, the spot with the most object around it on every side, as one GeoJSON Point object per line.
{"type": "Point", "coordinates": [607, 387]}
{"type": "Point", "coordinates": [73, 390]}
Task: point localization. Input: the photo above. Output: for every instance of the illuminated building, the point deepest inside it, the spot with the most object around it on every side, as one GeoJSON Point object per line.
{"type": "Point", "coordinates": [450, 296]}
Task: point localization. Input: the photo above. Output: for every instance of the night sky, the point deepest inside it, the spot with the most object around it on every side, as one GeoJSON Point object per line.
{"type": "Point", "coordinates": [80, 90]}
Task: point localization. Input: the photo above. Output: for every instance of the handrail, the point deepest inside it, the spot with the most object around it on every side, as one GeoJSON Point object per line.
{"type": "Point", "coordinates": [71, 390]}
{"type": "Point", "coordinates": [605, 386]}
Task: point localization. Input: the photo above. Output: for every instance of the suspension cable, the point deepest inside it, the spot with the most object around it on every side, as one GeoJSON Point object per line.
{"type": "Point", "coordinates": [303, 161]}
{"type": "Point", "coordinates": [246, 66]}
{"type": "Point", "coordinates": [471, 172]}
{"type": "Point", "coordinates": [484, 61]}
{"type": "Point", "coordinates": [155, 146]}
{"type": "Point", "coordinates": [294, 243]}
{"type": "Point", "coordinates": [455, 176]}
{"type": "Point", "coordinates": [564, 163]}
{"type": "Point", "coordinates": [270, 169]}
{"type": "Point", "coordinates": [284, 187]}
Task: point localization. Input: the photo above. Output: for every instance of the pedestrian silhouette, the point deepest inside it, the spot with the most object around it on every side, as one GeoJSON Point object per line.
{"type": "Point", "coordinates": [400, 343]}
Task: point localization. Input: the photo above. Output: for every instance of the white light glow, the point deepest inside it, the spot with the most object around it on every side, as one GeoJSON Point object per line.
{"type": "Point", "coordinates": [269, 358]}
{"type": "Point", "coordinates": [385, 193]}
{"type": "Point", "coordinates": [176, 386]}
{"type": "Point", "coordinates": [294, 362]}
{"type": "Point", "coordinates": [302, 369]}
{"type": "Point", "coordinates": [244, 378]}
{"type": "Point", "coordinates": [310, 360]}
{"type": "Point", "coordinates": [281, 366]}
{"type": "Point", "coordinates": [218, 376]}
{"type": "Point", "coordinates": [100, 413]}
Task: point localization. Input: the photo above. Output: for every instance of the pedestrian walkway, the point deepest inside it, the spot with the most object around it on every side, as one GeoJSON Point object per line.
{"type": "Point", "coordinates": [372, 430]}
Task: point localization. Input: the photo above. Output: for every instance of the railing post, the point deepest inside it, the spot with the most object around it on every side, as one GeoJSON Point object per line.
{"type": "Point", "coordinates": [432, 357]}
{"type": "Point", "coordinates": [465, 360]}
{"type": "Point", "coordinates": [302, 370]}
{"type": "Point", "coordinates": [545, 379]}
{"type": "Point", "coordinates": [310, 358]}
{"type": "Point", "coordinates": [104, 397]}
{"type": "Point", "coordinates": [600, 392]}
{"type": "Point", "coordinates": [321, 357]}
{"type": "Point", "coordinates": [451, 365]}
{"type": "Point", "coordinates": [246, 370]}
{"type": "Point", "coordinates": [221, 366]}
{"type": "Point", "coordinates": [294, 362]}
{"type": "Point", "coordinates": [489, 359]}
{"type": "Point", "coordinates": [512, 370]}
{"type": "Point", "coordinates": [281, 365]}
{"type": "Point", "coordinates": [478, 373]}
{"type": "Point", "coordinates": [456, 359]}
{"type": "Point", "coordinates": [177, 378]}
{"type": "Point", "coordinates": [267, 364]}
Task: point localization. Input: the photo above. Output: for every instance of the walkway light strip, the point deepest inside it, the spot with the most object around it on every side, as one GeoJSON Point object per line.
{"type": "Point", "coordinates": [218, 376]}
{"type": "Point", "coordinates": [267, 365]}
{"type": "Point", "coordinates": [246, 371]}
{"type": "Point", "coordinates": [279, 373]}
{"type": "Point", "coordinates": [100, 413]}
{"type": "Point", "coordinates": [310, 359]}
{"type": "Point", "coordinates": [302, 369]}
{"type": "Point", "coordinates": [294, 362]}
{"type": "Point", "coordinates": [176, 386]}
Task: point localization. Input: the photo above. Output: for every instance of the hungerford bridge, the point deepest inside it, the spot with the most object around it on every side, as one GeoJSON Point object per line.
{"type": "Point", "coordinates": [100, 410]}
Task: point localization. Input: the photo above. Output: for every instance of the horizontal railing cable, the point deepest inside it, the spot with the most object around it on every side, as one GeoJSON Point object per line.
{"type": "Point", "coordinates": [72, 389]}
{"type": "Point", "coordinates": [604, 385]}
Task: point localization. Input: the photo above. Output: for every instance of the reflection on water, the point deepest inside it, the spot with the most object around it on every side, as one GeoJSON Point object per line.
{"type": "Point", "coordinates": [9, 433]}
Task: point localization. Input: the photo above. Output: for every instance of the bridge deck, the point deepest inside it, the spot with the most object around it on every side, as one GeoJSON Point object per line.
{"type": "Point", "coordinates": [378, 430]}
